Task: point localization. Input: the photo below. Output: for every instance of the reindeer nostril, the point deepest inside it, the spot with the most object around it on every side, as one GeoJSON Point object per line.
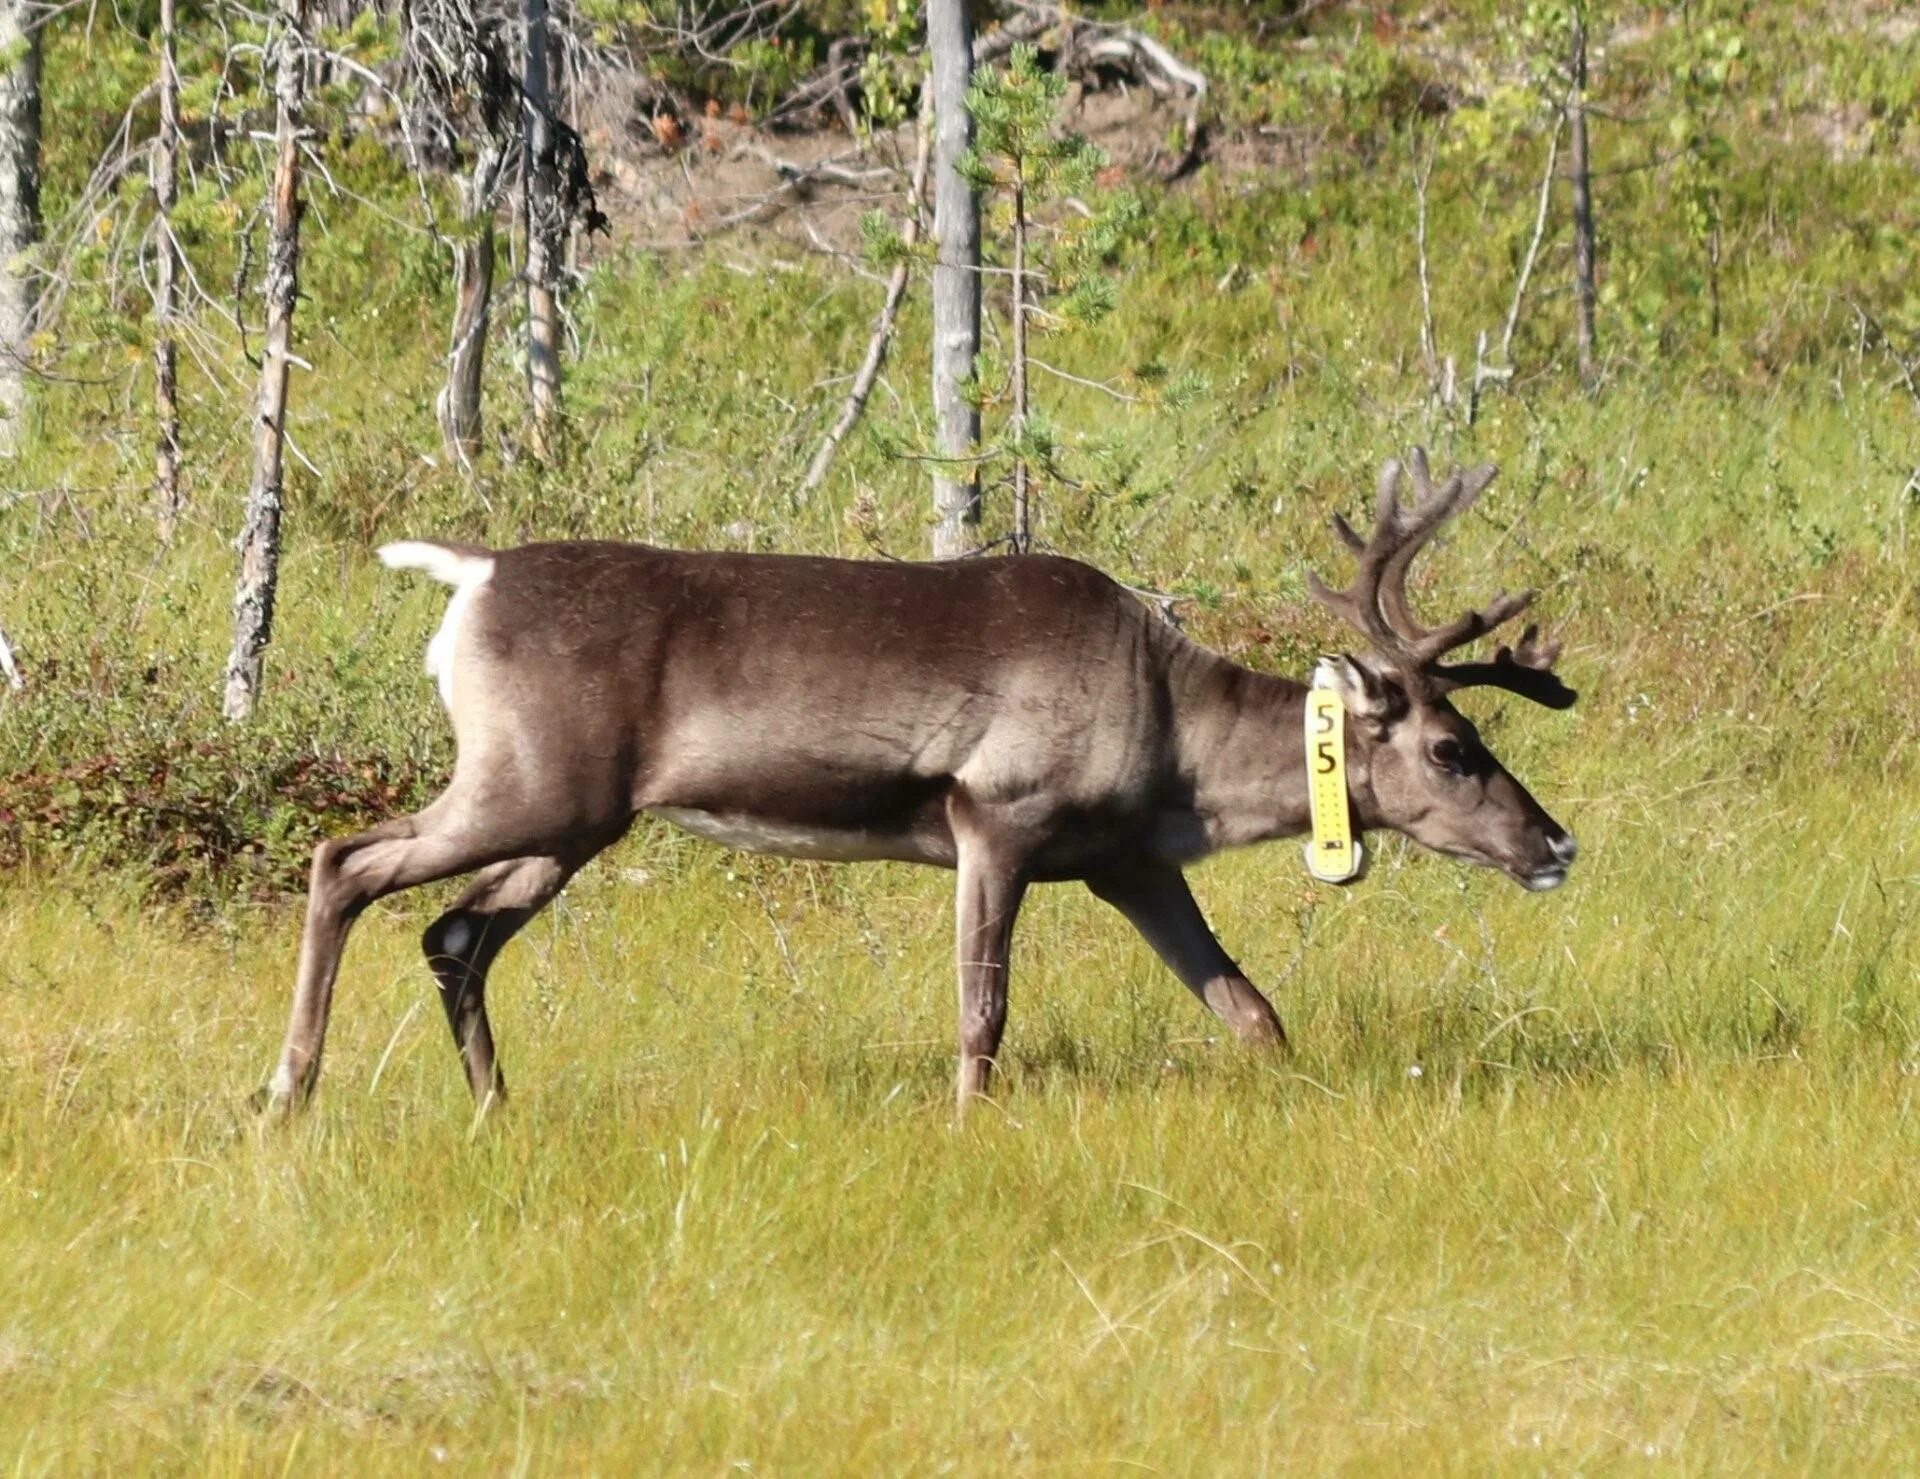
{"type": "Point", "coordinates": [1564, 848]}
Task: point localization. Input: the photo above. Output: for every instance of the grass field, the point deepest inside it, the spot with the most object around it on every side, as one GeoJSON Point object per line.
{"type": "Point", "coordinates": [1624, 1173]}
{"type": "Point", "coordinates": [1614, 1178]}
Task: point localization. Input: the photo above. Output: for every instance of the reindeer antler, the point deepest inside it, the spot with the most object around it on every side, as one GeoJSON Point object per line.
{"type": "Point", "coordinates": [1376, 602]}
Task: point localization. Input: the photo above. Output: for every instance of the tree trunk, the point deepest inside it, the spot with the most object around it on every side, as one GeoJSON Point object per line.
{"type": "Point", "coordinates": [166, 403]}
{"type": "Point", "coordinates": [545, 232]}
{"type": "Point", "coordinates": [259, 542]}
{"type": "Point", "coordinates": [956, 285]}
{"type": "Point", "coordinates": [19, 208]}
{"type": "Point", "coordinates": [1583, 246]}
{"type": "Point", "coordinates": [1022, 475]}
{"type": "Point", "coordinates": [458, 405]}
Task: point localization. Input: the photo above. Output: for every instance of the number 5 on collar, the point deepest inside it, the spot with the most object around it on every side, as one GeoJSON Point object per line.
{"type": "Point", "coordinates": [1333, 856]}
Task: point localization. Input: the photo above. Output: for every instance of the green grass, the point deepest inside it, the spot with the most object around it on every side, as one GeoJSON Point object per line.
{"type": "Point", "coordinates": [1571, 1181]}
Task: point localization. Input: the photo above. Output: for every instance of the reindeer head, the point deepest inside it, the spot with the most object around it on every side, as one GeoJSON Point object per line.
{"type": "Point", "coordinates": [1423, 770]}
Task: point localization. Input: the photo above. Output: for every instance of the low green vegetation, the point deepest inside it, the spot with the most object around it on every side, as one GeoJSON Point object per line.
{"type": "Point", "coordinates": [1613, 1176]}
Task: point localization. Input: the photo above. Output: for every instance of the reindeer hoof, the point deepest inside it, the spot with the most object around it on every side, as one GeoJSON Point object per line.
{"type": "Point", "coordinates": [271, 1103]}
{"type": "Point", "coordinates": [1261, 1032]}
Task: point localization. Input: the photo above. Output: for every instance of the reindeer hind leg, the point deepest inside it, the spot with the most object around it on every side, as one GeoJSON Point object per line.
{"type": "Point", "coordinates": [461, 946]}
{"type": "Point", "coordinates": [349, 874]}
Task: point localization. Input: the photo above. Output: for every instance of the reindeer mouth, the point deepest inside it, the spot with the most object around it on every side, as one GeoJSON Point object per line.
{"type": "Point", "coordinates": [1539, 882]}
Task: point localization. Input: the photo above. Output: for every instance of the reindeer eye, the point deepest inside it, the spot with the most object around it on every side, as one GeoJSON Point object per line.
{"type": "Point", "coordinates": [1449, 756]}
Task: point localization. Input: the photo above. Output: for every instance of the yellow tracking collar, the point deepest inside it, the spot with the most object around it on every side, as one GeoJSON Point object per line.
{"type": "Point", "coordinates": [1334, 854]}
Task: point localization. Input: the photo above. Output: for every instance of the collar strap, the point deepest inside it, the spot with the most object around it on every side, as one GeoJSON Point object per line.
{"type": "Point", "coordinates": [1334, 854]}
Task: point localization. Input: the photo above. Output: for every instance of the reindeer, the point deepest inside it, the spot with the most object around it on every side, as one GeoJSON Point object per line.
{"type": "Point", "coordinates": [1018, 720]}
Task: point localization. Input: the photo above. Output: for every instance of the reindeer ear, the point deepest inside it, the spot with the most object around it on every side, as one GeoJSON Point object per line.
{"type": "Point", "coordinates": [1368, 694]}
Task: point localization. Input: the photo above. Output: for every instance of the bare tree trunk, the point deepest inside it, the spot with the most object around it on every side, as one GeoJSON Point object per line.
{"type": "Point", "coordinates": [1022, 514]}
{"type": "Point", "coordinates": [956, 285]}
{"type": "Point", "coordinates": [259, 542]}
{"type": "Point", "coordinates": [458, 405]}
{"type": "Point", "coordinates": [869, 371]}
{"type": "Point", "coordinates": [166, 401]}
{"type": "Point", "coordinates": [1583, 248]}
{"type": "Point", "coordinates": [19, 207]}
{"type": "Point", "coordinates": [544, 232]}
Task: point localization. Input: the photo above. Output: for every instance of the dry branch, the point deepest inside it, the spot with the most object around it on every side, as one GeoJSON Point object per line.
{"type": "Point", "coordinates": [869, 372]}
{"type": "Point", "coordinates": [1086, 45]}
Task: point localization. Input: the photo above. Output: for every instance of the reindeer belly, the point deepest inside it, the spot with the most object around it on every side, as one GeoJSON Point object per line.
{"type": "Point", "coordinates": [790, 839]}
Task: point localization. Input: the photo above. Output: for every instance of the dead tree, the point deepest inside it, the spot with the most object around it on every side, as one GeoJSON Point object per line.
{"type": "Point", "coordinates": [546, 233]}
{"type": "Point", "coordinates": [259, 542]}
{"type": "Point", "coordinates": [166, 402]}
{"type": "Point", "coordinates": [956, 285]}
{"type": "Point", "coordinates": [19, 206]}
{"type": "Point", "coordinates": [461, 89]}
{"type": "Point", "coordinates": [1577, 164]}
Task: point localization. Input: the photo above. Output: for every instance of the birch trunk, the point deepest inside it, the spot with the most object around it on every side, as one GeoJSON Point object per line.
{"type": "Point", "coordinates": [259, 541]}
{"type": "Point", "coordinates": [166, 401]}
{"type": "Point", "coordinates": [1577, 164]}
{"type": "Point", "coordinates": [19, 208]}
{"type": "Point", "coordinates": [545, 230]}
{"type": "Point", "coordinates": [956, 285]}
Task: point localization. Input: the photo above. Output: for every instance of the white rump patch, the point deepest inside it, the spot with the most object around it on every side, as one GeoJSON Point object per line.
{"type": "Point", "coordinates": [466, 573]}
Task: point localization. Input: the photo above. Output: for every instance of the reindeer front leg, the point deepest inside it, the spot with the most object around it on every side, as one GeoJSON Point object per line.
{"type": "Point", "coordinates": [987, 898]}
{"type": "Point", "coordinates": [1157, 902]}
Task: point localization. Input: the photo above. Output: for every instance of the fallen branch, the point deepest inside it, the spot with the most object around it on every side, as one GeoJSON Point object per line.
{"type": "Point", "coordinates": [1087, 44]}
{"type": "Point", "coordinates": [869, 372]}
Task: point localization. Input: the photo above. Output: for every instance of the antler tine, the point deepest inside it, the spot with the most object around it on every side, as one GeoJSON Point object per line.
{"type": "Point", "coordinates": [1525, 670]}
{"type": "Point", "coordinates": [1359, 603]}
{"type": "Point", "coordinates": [1437, 642]}
{"type": "Point", "coordinates": [1386, 501]}
{"type": "Point", "coordinates": [1376, 602]}
{"type": "Point", "coordinates": [1453, 497]}
{"type": "Point", "coordinates": [1422, 478]}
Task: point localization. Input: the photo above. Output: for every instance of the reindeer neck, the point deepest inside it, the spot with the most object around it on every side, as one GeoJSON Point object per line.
{"type": "Point", "coordinates": [1239, 747]}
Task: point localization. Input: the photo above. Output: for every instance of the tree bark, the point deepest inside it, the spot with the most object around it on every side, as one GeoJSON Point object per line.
{"type": "Point", "coordinates": [1577, 163]}
{"type": "Point", "coordinates": [459, 402]}
{"type": "Point", "coordinates": [166, 401]}
{"type": "Point", "coordinates": [956, 285]}
{"type": "Point", "coordinates": [259, 543]}
{"type": "Point", "coordinates": [19, 209]}
{"type": "Point", "coordinates": [545, 232]}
